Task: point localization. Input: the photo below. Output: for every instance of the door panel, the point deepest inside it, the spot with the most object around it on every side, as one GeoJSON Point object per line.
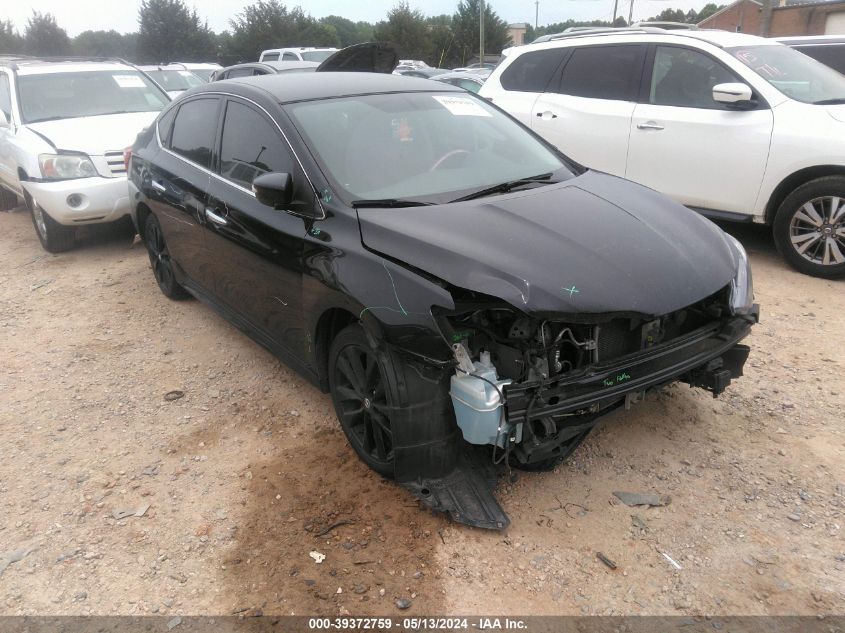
{"type": "Point", "coordinates": [691, 148]}
{"type": "Point", "coordinates": [258, 249]}
{"type": "Point", "coordinates": [587, 110]}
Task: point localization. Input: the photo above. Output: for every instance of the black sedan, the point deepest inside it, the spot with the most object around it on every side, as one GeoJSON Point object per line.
{"type": "Point", "coordinates": [470, 297]}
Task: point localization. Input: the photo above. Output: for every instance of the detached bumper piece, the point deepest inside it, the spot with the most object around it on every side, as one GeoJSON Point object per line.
{"type": "Point", "coordinates": [467, 493]}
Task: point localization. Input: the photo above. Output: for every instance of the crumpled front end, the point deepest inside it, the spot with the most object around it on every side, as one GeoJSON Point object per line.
{"type": "Point", "coordinates": [527, 389]}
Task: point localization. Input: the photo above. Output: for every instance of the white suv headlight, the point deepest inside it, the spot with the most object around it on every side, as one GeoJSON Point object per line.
{"type": "Point", "coordinates": [742, 288]}
{"type": "Point", "coordinates": [66, 166]}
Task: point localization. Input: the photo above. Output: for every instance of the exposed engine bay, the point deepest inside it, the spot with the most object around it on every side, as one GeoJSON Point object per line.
{"type": "Point", "coordinates": [514, 373]}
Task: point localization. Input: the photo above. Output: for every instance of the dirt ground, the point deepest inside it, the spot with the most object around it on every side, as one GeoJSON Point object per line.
{"type": "Point", "coordinates": [229, 487]}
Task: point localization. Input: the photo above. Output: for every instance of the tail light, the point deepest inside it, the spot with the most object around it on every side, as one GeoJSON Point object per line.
{"type": "Point", "coordinates": [127, 156]}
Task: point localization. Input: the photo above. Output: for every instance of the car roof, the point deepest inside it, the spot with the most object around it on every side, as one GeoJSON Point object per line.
{"type": "Point", "coordinates": [41, 65]}
{"type": "Point", "coordinates": [292, 87]}
{"type": "Point", "coordinates": [716, 37]}
{"type": "Point", "coordinates": [812, 39]}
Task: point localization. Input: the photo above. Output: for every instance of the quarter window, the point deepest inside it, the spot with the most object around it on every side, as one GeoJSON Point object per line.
{"type": "Point", "coordinates": [165, 126]}
{"type": "Point", "coordinates": [194, 131]}
{"type": "Point", "coordinates": [603, 72]}
{"type": "Point", "coordinates": [270, 57]}
{"type": "Point", "coordinates": [531, 72]}
{"type": "Point", "coordinates": [251, 146]}
{"type": "Point", "coordinates": [685, 77]}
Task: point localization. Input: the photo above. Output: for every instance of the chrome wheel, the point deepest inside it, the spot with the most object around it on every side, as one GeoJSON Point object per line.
{"type": "Point", "coordinates": [817, 231]}
{"type": "Point", "coordinates": [40, 223]}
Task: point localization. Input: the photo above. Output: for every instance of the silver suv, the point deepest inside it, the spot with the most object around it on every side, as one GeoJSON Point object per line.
{"type": "Point", "coordinates": [63, 127]}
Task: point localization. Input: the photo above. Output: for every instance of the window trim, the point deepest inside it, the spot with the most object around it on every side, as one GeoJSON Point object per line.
{"type": "Point", "coordinates": [636, 83]}
{"type": "Point", "coordinates": [645, 87]}
{"type": "Point", "coordinates": [322, 215]}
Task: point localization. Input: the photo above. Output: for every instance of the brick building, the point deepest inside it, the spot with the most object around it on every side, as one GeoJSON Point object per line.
{"type": "Point", "coordinates": [788, 18]}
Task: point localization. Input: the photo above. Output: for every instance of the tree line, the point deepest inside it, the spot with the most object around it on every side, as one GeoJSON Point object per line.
{"type": "Point", "coordinates": [170, 30]}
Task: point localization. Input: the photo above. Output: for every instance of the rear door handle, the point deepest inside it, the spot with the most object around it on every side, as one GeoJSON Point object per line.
{"type": "Point", "coordinates": [214, 217]}
{"type": "Point", "coordinates": [649, 125]}
{"type": "Point", "coordinates": [547, 115]}
{"type": "Point", "coordinates": [155, 184]}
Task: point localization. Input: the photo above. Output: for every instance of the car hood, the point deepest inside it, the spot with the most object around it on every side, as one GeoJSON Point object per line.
{"type": "Point", "coordinates": [837, 112]}
{"type": "Point", "coordinates": [595, 244]}
{"type": "Point", "coordinates": [94, 135]}
{"type": "Point", "coordinates": [368, 57]}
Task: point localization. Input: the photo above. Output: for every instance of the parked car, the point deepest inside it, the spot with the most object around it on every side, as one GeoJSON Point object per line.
{"type": "Point", "coordinates": [296, 54]}
{"type": "Point", "coordinates": [63, 127]}
{"type": "Point", "coordinates": [473, 67]}
{"type": "Point", "coordinates": [734, 126]}
{"type": "Point", "coordinates": [422, 73]}
{"type": "Point", "coordinates": [201, 70]}
{"type": "Point", "coordinates": [828, 49]}
{"type": "Point", "coordinates": [253, 69]}
{"type": "Point", "coordinates": [174, 78]}
{"type": "Point", "coordinates": [471, 81]}
{"type": "Point", "coordinates": [454, 281]}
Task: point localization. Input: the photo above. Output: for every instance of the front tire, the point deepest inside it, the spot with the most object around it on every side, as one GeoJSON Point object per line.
{"type": "Point", "coordinates": [160, 260]}
{"type": "Point", "coordinates": [809, 228]}
{"type": "Point", "coordinates": [54, 237]}
{"type": "Point", "coordinates": [358, 380]}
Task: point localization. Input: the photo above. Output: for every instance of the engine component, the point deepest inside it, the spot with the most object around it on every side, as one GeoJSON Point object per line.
{"type": "Point", "coordinates": [479, 400]}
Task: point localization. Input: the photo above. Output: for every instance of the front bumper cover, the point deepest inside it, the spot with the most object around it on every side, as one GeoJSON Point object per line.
{"type": "Point", "coordinates": [99, 199]}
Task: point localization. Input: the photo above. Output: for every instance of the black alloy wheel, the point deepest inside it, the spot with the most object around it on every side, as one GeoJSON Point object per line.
{"type": "Point", "coordinates": [360, 394]}
{"type": "Point", "coordinates": [160, 260]}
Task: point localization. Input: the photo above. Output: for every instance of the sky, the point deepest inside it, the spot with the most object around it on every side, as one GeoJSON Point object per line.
{"type": "Point", "coordinates": [122, 15]}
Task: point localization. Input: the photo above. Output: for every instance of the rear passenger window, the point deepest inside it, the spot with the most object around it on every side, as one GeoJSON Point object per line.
{"type": "Point", "coordinates": [194, 130]}
{"type": "Point", "coordinates": [531, 72]}
{"type": "Point", "coordinates": [603, 72]}
{"type": "Point", "coordinates": [251, 146]}
{"type": "Point", "coordinates": [270, 57]}
{"type": "Point", "coordinates": [290, 57]}
{"type": "Point", "coordinates": [241, 72]}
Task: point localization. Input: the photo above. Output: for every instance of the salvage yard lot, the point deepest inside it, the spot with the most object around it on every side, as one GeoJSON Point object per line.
{"type": "Point", "coordinates": [235, 481]}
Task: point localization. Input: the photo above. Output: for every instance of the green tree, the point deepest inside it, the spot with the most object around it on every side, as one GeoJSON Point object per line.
{"type": "Point", "coordinates": [465, 26]}
{"type": "Point", "coordinates": [169, 31]}
{"type": "Point", "coordinates": [707, 10]}
{"type": "Point", "coordinates": [44, 36]}
{"type": "Point", "coordinates": [11, 41]}
{"type": "Point", "coordinates": [441, 41]}
{"type": "Point", "coordinates": [349, 32]}
{"type": "Point", "coordinates": [103, 44]}
{"type": "Point", "coordinates": [669, 15]}
{"type": "Point", "coordinates": [269, 24]}
{"type": "Point", "coordinates": [407, 29]}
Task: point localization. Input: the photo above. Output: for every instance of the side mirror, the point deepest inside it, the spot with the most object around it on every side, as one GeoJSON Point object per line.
{"type": "Point", "coordinates": [736, 94]}
{"type": "Point", "coordinates": [4, 120]}
{"type": "Point", "coordinates": [275, 190]}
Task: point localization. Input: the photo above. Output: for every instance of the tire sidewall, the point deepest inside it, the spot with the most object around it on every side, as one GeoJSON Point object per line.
{"type": "Point", "coordinates": [171, 290]}
{"type": "Point", "coordinates": [828, 186]}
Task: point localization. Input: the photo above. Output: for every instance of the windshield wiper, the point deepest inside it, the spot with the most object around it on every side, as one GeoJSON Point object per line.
{"type": "Point", "coordinates": [389, 203]}
{"type": "Point", "coordinates": [505, 187]}
{"type": "Point", "coordinates": [830, 101]}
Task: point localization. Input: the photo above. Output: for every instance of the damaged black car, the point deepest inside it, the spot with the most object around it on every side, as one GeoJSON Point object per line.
{"type": "Point", "coordinates": [471, 298]}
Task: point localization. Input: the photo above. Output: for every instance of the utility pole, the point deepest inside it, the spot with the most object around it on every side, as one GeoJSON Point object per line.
{"type": "Point", "coordinates": [537, 12]}
{"type": "Point", "coordinates": [615, 8]}
{"type": "Point", "coordinates": [631, 13]}
{"type": "Point", "coordinates": [766, 19]}
{"type": "Point", "coordinates": [481, 32]}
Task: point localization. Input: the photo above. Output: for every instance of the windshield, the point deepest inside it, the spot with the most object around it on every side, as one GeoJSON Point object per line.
{"type": "Point", "coordinates": [203, 73]}
{"type": "Point", "coordinates": [431, 147]}
{"type": "Point", "coordinates": [69, 95]}
{"type": "Point", "coordinates": [794, 74]}
{"type": "Point", "coordinates": [316, 56]}
{"type": "Point", "coordinates": [175, 80]}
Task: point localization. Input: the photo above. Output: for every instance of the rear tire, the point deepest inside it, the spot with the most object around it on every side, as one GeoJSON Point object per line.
{"type": "Point", "coordinates": [8, 200]}
{"type": "Point", "coordinates": [54, 237]}
{"type": "Point", "coordinates": [809, 228]}
{"type": "Point", "coordinates": [160, 260]}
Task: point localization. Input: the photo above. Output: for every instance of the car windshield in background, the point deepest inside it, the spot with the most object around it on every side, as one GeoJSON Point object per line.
{"type": "Point", "coordinates": [794, 74]}
{"type": "Point", "coordinates": [174, 80]}
{"type": "Point", "coordinates": [316, 56]}
{"type": "Point", "coordinates": [430, 147]}
{"type": "Point", "coordinates": [91, 93]}
{"type": "Point", "coordinates": [202, 73]}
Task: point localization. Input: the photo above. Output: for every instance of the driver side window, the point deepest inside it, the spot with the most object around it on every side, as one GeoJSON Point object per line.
{"type": "Point", "coordinates": [685, 78]}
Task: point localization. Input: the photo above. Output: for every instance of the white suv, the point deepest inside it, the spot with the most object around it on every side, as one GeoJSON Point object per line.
{"type": "Point", "coordinates": [297, 54]}
{"type": "Point", "coordinates": [63, 128]}
{"type": "Point", "coordinates": [734, 126]}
